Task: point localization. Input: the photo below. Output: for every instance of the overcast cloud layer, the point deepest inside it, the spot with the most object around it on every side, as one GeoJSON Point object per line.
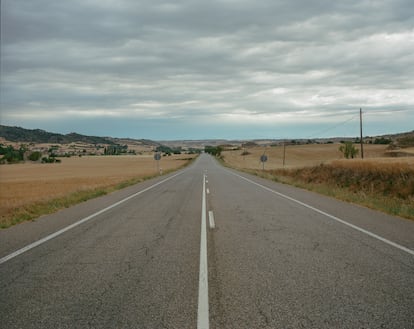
{"type": "Point", "coordinates": [208, 69]}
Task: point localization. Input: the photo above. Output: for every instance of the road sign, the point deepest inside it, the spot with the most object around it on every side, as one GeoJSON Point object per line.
{"type": "Point", "coordinates": [157, 157]}
{"type": "Point", "coordinates": [263, 159]}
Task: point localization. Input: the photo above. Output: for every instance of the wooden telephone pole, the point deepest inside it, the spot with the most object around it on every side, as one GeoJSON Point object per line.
{"type": "Point", "coordinates": [360, 126]}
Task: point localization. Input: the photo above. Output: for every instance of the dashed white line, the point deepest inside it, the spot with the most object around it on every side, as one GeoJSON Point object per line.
{"type": "Point", "coordinates": [203, 311]}
{"type": "Point", "coordinates": [208, 191]}
{"type": "Point", "coordinates": [211, 219]}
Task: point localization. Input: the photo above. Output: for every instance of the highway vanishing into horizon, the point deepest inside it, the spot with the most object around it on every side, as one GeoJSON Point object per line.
{"type": "Point", "coordinates": [209, 247]}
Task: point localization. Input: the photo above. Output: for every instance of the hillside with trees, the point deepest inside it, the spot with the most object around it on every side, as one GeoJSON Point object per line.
{"type": "Point", "coordinates": [22, 135]}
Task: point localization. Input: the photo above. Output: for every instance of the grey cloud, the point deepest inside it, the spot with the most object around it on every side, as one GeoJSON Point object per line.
{"type": "Point", "coordinates": [223, 58]}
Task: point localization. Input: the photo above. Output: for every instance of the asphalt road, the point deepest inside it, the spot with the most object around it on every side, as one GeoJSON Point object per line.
{"type": "Point", "coordinates": [277, 257]}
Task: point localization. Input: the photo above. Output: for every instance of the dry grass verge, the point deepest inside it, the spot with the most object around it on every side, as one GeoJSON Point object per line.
{"type": "Point", "coordinates": [28, 191]}
{"type": "Point", "coordinates": [385, 186]}
{"type": "Point", "coordinates": [380, 181]}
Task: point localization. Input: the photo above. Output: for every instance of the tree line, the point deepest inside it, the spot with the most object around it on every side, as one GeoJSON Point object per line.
{"type": "Point", "coordinates": [11, 155]}
{"type": "Point", "coordinates": [213, 150]}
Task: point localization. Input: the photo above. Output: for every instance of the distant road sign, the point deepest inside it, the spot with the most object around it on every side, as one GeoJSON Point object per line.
{"type": "Point", "coordinates": [263, 158]}
{"type": "Point", "coordinates": [157, 156]}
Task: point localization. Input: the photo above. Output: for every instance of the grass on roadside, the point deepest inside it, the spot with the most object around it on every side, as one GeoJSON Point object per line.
{"type": "Point", "coordinates": [388, 187]}
{"type": "Point", "coordinates": [34, 210]}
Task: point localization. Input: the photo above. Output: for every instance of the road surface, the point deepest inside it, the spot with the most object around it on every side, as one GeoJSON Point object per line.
{"type": "Point", "coordinates": [272, 256]}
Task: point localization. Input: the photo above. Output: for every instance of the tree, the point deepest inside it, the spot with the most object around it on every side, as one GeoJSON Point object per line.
{"type": "Point", "coordinates": [216, 151]}
{"type": "Point", "coordinates": [382, 141]}
{"type": "Point", "coordinates": [114, 149]}
{"type": "Point", "coordinates": [348, 149]}
{"type": "Point", "coordinates": [35, 156]}
{"type": "Point", "coordinates": [11, 155]}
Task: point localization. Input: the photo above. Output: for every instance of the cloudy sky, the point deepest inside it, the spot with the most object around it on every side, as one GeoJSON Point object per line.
{"type": "Point", "coordinates": [189, 69]}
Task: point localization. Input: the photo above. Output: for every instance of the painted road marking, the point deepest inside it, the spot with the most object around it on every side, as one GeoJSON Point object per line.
{"type": "Point", "coordinates": [373, 235]}
{"type": "Point", "coordinates": [211, 219]}
{"type": "Point", "coordinates": [67, 228]}
{"type": "Point", "coordinates": [203, 312]}
{"type": "Point", "coordinates": [208, 191]}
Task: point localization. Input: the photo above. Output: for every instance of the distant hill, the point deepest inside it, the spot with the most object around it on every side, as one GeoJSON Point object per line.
{"type": "Point", "coordinates": [131, 141]}
{"type": "Point", "coordinates": [22, 135]}
{"type": "Point", "coordinates": [18, 134]}
{"type": "Point", "coordinates": [402, 139]}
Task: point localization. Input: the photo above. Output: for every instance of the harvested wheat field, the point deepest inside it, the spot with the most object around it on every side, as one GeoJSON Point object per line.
{"type": "Point", "coordinates": [27, 184]}
{"type": "Point", "coordinates": [306, 155]}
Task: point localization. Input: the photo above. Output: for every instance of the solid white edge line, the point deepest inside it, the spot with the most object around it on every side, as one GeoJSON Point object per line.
{"type": "Point", "coordinates": [67, 228]}
{"type": "Point", "coordinates": [203, 312]}
{"type": "Point", "coordinates": [211, 219]}
{"type": "Point", "coordinates": [373, 235]}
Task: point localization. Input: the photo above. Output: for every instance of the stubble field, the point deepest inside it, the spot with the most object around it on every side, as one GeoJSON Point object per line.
{"type": "Point", "coordinates": [380, 181]}
{"type": "Point", "coordinates": [27, 186]}
{"type": "Point", "coordinates": [307, 155]}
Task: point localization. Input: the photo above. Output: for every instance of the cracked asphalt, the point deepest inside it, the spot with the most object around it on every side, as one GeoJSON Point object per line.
{"type": "Point", "coordinates": [272, 263]}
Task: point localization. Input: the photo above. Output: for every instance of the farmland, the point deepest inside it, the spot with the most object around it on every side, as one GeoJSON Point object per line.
{"type": "Point", "coordinates": [307, 155]}
{"type": "Point", "coordinates": [25, 186]}
{"type": "Point", "coordinates": [380, 181]}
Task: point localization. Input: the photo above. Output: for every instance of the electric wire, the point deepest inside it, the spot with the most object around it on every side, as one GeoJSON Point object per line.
{"type": "Point", "coordinates": [322, 132]}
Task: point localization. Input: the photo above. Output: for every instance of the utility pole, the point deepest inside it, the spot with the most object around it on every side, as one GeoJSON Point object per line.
{"type": "Point", "coordinates": [360, 126]}
{"type": "Point", "coordinates": [284, 152]}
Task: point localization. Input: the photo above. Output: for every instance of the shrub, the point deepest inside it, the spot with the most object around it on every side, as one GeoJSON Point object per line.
{"type": "Point", "coordinates": [50, 160]}
{"type": "Point", "coordinates": [382, 141]}
{"type": "Point", "coordinates": [35, 156]}
{"type": "Point", "coordinates": [349, 150]}
{"type": "Point", "coordinates": [395, 180]}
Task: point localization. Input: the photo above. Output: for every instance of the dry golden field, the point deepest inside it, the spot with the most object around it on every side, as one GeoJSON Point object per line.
{"type": "Point", "coordinates": [305, 156]}
{"type": "Point", "coordinates": [22, 185]}
{"type": "Point", "coordinates": [379, 181]}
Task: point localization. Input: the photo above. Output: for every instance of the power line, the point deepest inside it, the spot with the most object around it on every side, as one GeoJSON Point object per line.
{"type": "Point", "coordinates": [389, 111]}
{"type": "Point", "coordinates": [318, 134]}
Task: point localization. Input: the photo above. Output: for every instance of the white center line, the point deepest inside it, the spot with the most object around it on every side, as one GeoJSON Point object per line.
{"type": "Point", "coordinates": [203, 312]}
{"type": "Point", "coordinates": [208, 191]}
{"type": "Point", "coordinates": [67, 228]}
